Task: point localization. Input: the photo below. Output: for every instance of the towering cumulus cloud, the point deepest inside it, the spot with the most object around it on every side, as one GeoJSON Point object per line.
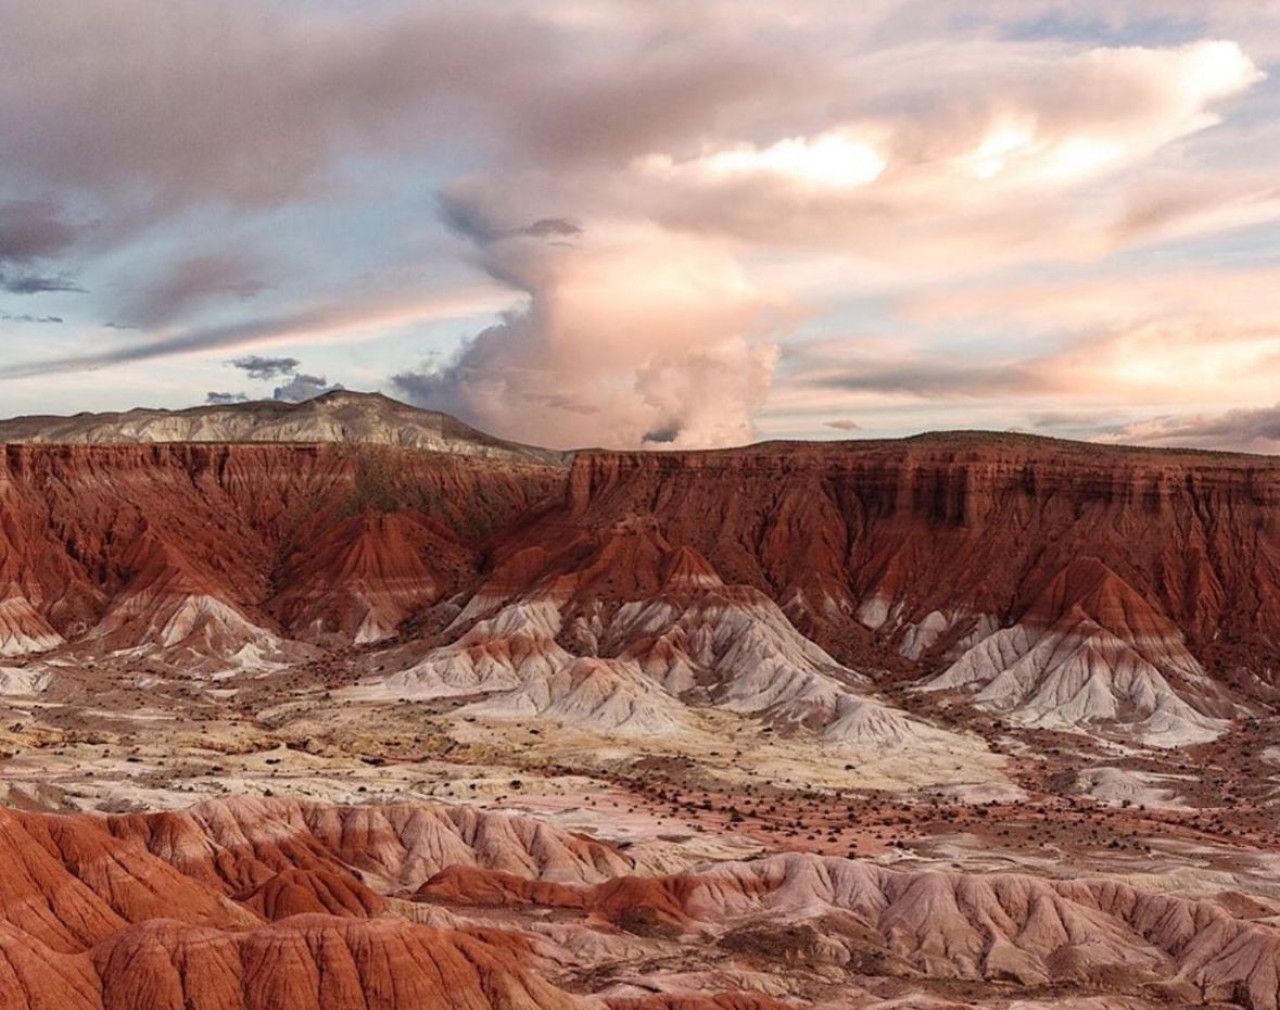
{"type": "Point", "coordinates": [631, 334]}
{"type": "Point", "coordinates": [671, 223]}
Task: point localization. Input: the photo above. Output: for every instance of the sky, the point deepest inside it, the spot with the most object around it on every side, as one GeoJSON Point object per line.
{"type": "Point", "coordinates": [652, 223]}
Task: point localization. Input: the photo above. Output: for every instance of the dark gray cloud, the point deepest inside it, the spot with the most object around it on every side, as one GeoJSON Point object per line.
{"type": "Point", "coordinates": [662, 436]}
{"type": "Point", "coordinates": [197, 339]}
{"type": "Point", "coordinates": [30, 231]}
{"type": "Point", "coordinates": [37, 284]}
{"type": "Point", "coordinates": [468, 212]}
{"type": "Point", "coordinates": [932, 380]}
{"type": "Point", "coordinates": [28, 318]}
{"type": "Point", "coordinates": [258, 367]}
{"type": "Point", "coordinates": [299, 388]}
{"type": "Point", "coordinates": [1254, 429]}
{"type": "Point", "coordinates": [304, 387]}
{"type": "Point", "coordinates": [1083, 423]}
{"type": "Point", "coordinates": [553, 228]}
{"type": "Point", "coordinates": [225, 399]}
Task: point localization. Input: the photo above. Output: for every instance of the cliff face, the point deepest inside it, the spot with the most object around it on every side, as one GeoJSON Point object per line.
{"type": "Point", "coordinates": [893, 532]}
{"type": "Point", "coordinates": [901, 555]}
{"type": "Point", "coordinates": [305, 540]}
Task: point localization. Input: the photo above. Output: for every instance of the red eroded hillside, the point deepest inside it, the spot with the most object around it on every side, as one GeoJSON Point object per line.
{"type": "Point", "coordinates": [277, 904]}
{"type": "Point", "coordinates": [129, 544]}
{"type": "Point", "coordinates": [885, 553]}
{"type": "Point", "coordinates": [912, 547]}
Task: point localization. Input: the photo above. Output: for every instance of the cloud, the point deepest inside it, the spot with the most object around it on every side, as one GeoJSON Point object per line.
{"type": "Point", "coordinates": [661, 190]}
{"type": "Point", "coordinates": [892, 368]}
{"type": "Point", "coordinates": [967, 157]}
{"type": "Point", "coordinates": [304, 387]}
{"type": "Point", "coordinates": [258, 367]}
{"type": "Point", "coordinates": [1243, 430]}
{"type": "Point", "coordinates": [298, 389]}
{"type": "Point", "coordinates": [37, 284]}
{"type": "Point", "coordinates": [28, 318]}
{"type": "Point", "coordinates": [349, 318]}
{"type": "Point", "coordinates": [279, 95]}
{"type": "Point", "coordinates": [189, 284]}
{"type": "Point", "coordinates": [843, 424]}
{"type": "Point", "coordinates": [224, 399]}
{"type": "Point", "coordinates": [1071, 420]}
{"type": "Point", "coordinates": [1168, 337]}
{"type": "Point", "coordinates": [629, 335]}
{"type": "Point", "coordinates": [960, 148]}
{"type": "Point", "coordinates": [553, 228]}
{"type": "Point", "coordinates": [32, 230]}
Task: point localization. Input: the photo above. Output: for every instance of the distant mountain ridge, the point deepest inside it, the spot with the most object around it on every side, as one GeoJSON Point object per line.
{"type": "Point", "coordinates": [341, 416]}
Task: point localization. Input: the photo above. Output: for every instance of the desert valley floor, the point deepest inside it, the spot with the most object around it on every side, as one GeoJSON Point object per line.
{"type": "Point", "coordinates": [345, 705]}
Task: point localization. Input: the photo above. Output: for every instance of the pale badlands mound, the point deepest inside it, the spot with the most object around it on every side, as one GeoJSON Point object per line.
{"type": "Point", "coordinates": [274, 904]}
{"type": "Point", "coordinates": [1092, 652]}
{"type": "Point", "coordinates": [631, 635]}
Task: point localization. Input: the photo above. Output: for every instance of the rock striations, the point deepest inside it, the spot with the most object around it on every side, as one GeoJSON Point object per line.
{"type": "Point", "coordinates": [215, 548]}
{"type": "Point", "coordinates": [273, 905]}
{"type": "Point", "coordinates": [700, 678]}
{"type": "Point", "coordinates": [1068, 588]}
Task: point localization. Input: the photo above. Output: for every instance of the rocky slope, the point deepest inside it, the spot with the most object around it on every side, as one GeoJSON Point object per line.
{"type": "Point", "coordinates": [214, 550]}
{"type": "Point", "coordinates": [1059, 585]}
{"type": "Point", "coordinates": [1030, 684]}
{"type": "Point", "coordinates": [273, 905]}
{"type": "Point", "coordinates": [1074, 585]}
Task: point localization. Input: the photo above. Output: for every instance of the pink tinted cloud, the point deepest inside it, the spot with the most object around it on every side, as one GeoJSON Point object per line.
{"type": "Point", "coordinates": [630, 335]}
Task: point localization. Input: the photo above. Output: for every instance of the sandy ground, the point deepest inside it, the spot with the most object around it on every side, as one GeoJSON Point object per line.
{"type": "Point", "coordinates": [122, 738]}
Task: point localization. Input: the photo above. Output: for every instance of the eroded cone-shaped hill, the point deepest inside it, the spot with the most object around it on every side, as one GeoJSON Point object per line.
{"type": "Point", "coordinates": [1091, 651]}
{"type": "Point", "coordinates": [620, 631]}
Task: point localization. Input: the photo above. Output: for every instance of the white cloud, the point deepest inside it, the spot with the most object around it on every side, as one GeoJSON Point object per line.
{"type": "Point", "coordinates": [631, 334]}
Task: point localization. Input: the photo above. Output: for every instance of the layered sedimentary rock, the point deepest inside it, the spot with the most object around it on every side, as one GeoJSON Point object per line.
{"type": "Point", "coordinates": [621, 631]}
{"type": "Point", "coordinates": [1064, 586]}
{"type": "Point", "coordinates": [161, 911]}
{"type": "Point", "coordinates": [177, 909]}
{"type": "Point", "coordinates": [1091, 651]}
{"type": "Point", "coordinates": [963, 525]}
{"type": "Point", "coordinates": [219, 548]}
{"type": "Point", "coordinates": [1013, 929]}
{"type": "Point", "coordinates": [1072, 585]}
